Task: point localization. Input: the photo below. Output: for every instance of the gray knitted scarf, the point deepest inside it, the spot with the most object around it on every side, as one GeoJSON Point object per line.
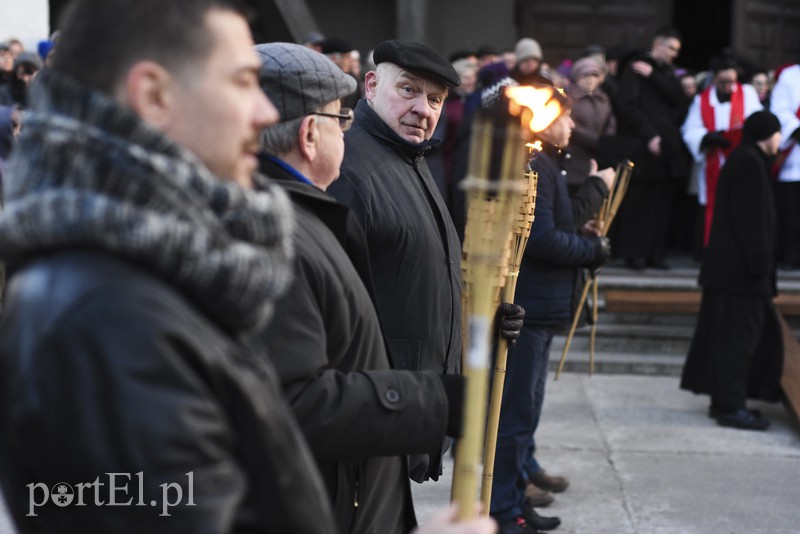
{"type": "Point", "coordinates": [88, 173]}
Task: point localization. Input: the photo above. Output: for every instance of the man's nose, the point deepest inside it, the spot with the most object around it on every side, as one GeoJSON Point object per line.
{"type": "Point", "coordinates": [265, 114]}
{"type": "Point", "coordinates": [421, 106]}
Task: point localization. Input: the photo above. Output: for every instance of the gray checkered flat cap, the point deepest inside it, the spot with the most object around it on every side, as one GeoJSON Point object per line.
{"type": "Point", "coordinates": [299, 80]}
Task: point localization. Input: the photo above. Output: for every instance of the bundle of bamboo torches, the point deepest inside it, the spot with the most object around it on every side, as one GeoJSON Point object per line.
{"type": "Point", "coordinates": [519, 239]}
{"type": "Point", "coordinates": [605, 217]}
{"type": "Point", "coordinates": [491, 194]}
{"type": "Point", "coordinates": [501, 196]}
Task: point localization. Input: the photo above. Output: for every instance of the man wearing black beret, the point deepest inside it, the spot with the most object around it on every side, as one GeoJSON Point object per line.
{"type": "Point", "coordinates": [737, 350]}
{"type": "Point", "coordinates": [360, 416]}
{"type": "Point", "coordinates": [413, 246]}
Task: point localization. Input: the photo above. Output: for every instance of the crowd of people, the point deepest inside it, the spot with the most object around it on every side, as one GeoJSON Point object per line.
{"type": "Point", "coordinates": [639, 105]}
{"type": "Point", "coordinates": [238, 266]}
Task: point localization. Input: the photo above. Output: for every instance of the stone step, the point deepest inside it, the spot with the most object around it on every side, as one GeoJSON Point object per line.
{"type": "Point", "coordinates": [633, 339]}
{"type": "Point", "coordinates": [647, 319]}
{"type": "Point", "coordinates": [619, 364]}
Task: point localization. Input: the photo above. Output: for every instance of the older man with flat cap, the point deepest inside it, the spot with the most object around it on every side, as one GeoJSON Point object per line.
{"type": "Point", "coordinates": [413, 246]}
{"type": "Point", "coordinates": [360, 416]}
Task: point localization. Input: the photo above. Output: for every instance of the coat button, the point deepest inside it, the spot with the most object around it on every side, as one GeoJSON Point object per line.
{"type": "Point", "coordinates": [392, 395]}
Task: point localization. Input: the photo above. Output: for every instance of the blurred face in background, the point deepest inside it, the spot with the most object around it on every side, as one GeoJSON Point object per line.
{"type": "Point", "coordinates": [725, 81]}
{"type": "Point", "coordinates": [26, 73]}
{"type": "Point", "coordinates": [689, 86]}
{"type": "Point", "coordinates": [355, 63]}
{"type": "Point", "coordinates": [589, 82]}
{"type": "Point", "coordinates": [666, 49]}
{"type": "Point", "coordinates": [6, 60]}
{"type": "Point", "coordinates": [16, 48]}
{"type": "Point", "coordinates": [559, 132]}
{"type": "Point", "coordinates": [761, 84]}
{"type": "Point", "coordinates": [529, 65]}
{"type": "Point", "coordinates": [469, 78]}
{"type": "Point", "coordinates": [773, 144]}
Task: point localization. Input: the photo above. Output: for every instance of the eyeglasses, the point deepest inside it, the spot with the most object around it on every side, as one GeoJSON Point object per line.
{"type": "Point", "coordinates": [345, 117]}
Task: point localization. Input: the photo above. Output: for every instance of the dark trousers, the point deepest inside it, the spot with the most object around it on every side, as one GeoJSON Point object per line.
{"type": "Point", "coordinates": [642, 225]}
{"type": "Point", "coordinates": [523, 396]}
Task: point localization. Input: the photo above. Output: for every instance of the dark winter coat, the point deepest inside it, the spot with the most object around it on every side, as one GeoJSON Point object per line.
{"type": "Point", "coordinates": [135, 273]}
{"type": "Point", "coordinates": [555, 251]}
{"type": "Point", "coordinates": [651, 106]}
{"type": "Point", "coordinates": [325, 341]}
{"type": "Point", "coordinates": [414, 250]}
{"type": "Point", "coordinates": [130, 378]}
{"type": "Point", "coordinates": [737, 345]}
{"type": "Point", "coordinates": [740, 256]}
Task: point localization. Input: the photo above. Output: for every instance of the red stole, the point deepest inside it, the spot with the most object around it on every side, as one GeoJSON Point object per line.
{"type": "Point", "coordinates": [715, 154]}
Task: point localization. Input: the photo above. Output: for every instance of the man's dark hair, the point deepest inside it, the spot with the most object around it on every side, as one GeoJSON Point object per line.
{"type": "Point", "coordinates": [723, 61]}
{"type": "Point", "coordinates": [668, 32]}
{"type": "Point", "coordinates": [101, 39]}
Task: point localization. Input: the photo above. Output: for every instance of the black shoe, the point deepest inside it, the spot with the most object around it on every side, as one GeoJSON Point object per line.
{"type": "Point", "coordinates": [537, 521]}
{"type": "Point", "coordinates": [636, 264]}
{"type": "Point", "coordinates": [516, 526]}
{"type": "Point", "coordinates": [742, 419]}
{"type": "Point", "coordinates": [714, 412]}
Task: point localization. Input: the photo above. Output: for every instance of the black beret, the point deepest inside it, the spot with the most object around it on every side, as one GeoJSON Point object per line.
{"type": "Point", "coordinates": [418, 58]}
{"type": "Point", "coordinates": [761, 125]}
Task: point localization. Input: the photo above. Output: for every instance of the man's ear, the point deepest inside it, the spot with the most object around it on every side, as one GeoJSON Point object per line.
{"type": "Point", "coordinates": [370, 85]}
{"type": "Point", "coordinates": [148, 89]}
{"type": "Point", "coordinates": [308, 138]}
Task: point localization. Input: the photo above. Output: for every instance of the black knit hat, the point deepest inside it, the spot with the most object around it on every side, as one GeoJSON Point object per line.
{"type": "Point", "coordinates": [761, 125]}
{"type": "Point", "coordinates": [418, 58]}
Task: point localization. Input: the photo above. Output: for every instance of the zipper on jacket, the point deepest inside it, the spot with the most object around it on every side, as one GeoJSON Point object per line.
{"type": "Point", "coordinates": [356, 491]}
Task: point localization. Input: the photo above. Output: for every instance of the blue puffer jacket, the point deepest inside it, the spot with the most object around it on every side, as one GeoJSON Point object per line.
{"type": "Point", "coordinates": [555, 250]}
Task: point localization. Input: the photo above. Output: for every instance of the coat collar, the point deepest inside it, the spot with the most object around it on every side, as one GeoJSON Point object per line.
{"type": "Point", "coordinates": [371, 123]}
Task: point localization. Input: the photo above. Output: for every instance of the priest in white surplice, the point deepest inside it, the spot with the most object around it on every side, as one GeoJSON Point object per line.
{"type": "Point", "coordinates": [713, 128]}
{"type": "Point", "coordinates": [786, 105]}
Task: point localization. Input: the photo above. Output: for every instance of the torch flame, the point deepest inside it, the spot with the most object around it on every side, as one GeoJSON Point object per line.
{"type": "Point", "coordinates": [542, 108]}
{"type": "Point", "coordinates": [534, 147]}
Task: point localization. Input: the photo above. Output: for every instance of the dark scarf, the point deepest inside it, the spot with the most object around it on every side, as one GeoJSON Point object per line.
{"type": "Point", "coordinates": [88, 173]}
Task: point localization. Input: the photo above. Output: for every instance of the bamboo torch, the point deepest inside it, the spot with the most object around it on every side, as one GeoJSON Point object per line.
{"type": "Point", "coordinates": [523, 220]}
{"type": "Point", "coordinates": [497, 155]}
{"type": "Point", "coordinates": [606, 215]}
{"type": "Point", "coordinates": [538, 110]}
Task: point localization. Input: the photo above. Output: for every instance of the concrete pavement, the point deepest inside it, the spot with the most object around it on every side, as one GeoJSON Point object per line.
{"type": "Point", "coordinates": [644, 458]}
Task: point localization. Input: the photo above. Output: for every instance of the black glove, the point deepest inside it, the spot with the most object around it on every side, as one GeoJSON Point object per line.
{"type": "Point", "coordinates": [714, 139]}
{"type": "Point", "coordinates": [510, 318]}
{"type": "Point", "coordinates": [602, 252]}
{"type": "Point", "coordinates": [796, 135]}
{"type": "Point", "coordinates": [454, 391]}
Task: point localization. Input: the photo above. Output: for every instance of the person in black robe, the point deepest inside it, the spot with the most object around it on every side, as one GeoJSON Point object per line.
{"type": "Point", "coordinates": [649, 105]}
{"type": "Point", "coordinates": [737, 348]}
